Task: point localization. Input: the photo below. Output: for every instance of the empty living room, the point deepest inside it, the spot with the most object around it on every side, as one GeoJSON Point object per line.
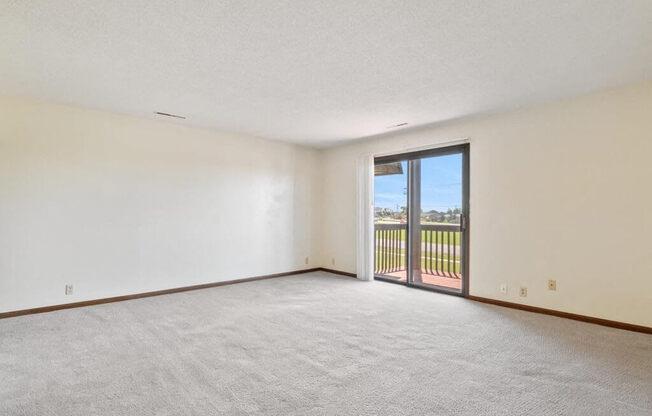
{"type": "Point", "coordinates": [369, 207]}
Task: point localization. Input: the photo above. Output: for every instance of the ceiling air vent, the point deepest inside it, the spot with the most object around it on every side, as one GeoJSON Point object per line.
{"type": "Point", "coordinates": [169, 115]}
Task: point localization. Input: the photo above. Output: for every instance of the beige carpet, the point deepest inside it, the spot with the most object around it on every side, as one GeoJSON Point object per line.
{"type": "Point", "coordinates": [318, 344]}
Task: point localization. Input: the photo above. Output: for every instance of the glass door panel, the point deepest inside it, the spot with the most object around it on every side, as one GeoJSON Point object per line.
{"type": "Point", "coordinates": [437, 223]}
{"type": "Point", "coordinates": [390, 220]}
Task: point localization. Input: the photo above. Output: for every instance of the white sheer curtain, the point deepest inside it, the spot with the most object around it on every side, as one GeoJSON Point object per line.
{"type": "Point", "coordinates": [365, 217]}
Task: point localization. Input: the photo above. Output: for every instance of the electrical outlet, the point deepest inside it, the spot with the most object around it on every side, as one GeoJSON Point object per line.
{"type": "Point", "coordinates": [68, 289]}
{"type": "Point", "coordinates": [552, 285]}
{"type": "Point", "coordinates": [523, 291]}
{"type": "Point", "coordinates": [333, 261]}
{"type": "Point", "coordinates": [503, 288]}
{"type": "Point", "coordinates": [307, 260]}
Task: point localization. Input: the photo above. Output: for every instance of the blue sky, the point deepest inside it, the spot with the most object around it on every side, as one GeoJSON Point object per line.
{"type": "Point", "coordinates": [441, 185]}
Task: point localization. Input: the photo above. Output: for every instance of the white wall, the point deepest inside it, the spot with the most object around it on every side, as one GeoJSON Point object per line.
{"type": "Point", "coordinates": [118, 205]}
{"type": "Point", "coordinates": [559, 191]}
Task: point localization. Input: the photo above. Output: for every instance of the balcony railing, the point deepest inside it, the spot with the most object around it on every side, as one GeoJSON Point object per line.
{"type": "Point", "coordinates": [440, 249]}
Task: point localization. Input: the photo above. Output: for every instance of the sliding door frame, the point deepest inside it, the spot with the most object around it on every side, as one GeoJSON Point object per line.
{"type": "Point", "coordinates": [413, 197]}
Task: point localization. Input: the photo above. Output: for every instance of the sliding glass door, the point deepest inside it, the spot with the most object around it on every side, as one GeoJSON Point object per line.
{"type": "Point", "coordinates": [421, 211]}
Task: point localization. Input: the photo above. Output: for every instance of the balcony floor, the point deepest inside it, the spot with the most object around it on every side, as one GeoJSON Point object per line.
{"type": "Point", "coordinates": [429, 279]}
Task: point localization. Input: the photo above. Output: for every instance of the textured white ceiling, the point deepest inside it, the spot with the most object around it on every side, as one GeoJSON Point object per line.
{"type": "Point", "coordinates": [319, 72]}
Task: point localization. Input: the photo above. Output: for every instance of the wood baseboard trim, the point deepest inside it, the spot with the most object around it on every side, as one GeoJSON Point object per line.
{"type": "Point", "coordinates": [528, 308]}
{"type": "Point", "coordinates": [324, 269]}
{"type": "Point", "coordinates": [148, 294]}
{"type": "Point", "coordinates": [567, 315]}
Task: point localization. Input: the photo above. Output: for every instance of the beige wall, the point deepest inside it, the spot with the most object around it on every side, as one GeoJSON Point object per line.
{"type": "Point", "coordinates": [118, 205]}
{"type": "Point", "coordinates": [559, 191]}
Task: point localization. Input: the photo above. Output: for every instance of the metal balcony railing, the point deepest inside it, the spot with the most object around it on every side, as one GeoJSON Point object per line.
{"type": "Point", "coordinates": [440, 249]}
